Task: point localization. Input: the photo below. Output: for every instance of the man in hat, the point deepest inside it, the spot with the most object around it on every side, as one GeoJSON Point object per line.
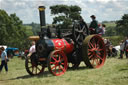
{"type": "Point", "coordinates": [94, 25]}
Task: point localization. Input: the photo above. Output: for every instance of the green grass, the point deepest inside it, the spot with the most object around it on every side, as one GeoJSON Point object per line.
{"type": "Point", "coordinates": [114, 72]}
{"type": "Point", "coordinates": [110, 24]}
{"type": "Point", "coordinates": [115, 40]}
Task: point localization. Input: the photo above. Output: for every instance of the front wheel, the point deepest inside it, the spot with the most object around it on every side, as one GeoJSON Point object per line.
{"type": "Point", "coordinates": [57, 62]}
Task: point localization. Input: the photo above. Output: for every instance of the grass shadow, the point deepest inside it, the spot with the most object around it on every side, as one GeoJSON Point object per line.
{"type": "Point", "coordinates": [22, 77]}
{"type": "Point", "coordinates": [46, 74]}
{"type": "Point", "coordinates": [123, 69]}
{"type": "Point", "coordinates": [78, 68]}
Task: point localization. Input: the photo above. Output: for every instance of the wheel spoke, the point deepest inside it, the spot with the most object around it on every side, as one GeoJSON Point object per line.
{"type": "Point", "coordinates": [77, 37]}
{"type": "Point", "coordinates": [92, 62]}
{"type": "Point", "coordinates": [54, 67]}
{"type": "Point", "coordinates": [100, 49]}
{"type": "Point", "coordinates": [94, 43]}
{"type": "Point", "coordinates": [97, 61]}
{"type": "Point", "coordinates": [89, 53]}
{"type": "Point", "coordinates": [99, 53]}
{"type": "Point", "coordinates": [62, 69]}
{"type": "Point", "coordinates": [83, 28]}
{"type": "Point", "coordinates": [54, 59]}
{"type": "Point", "coordinates": [32, 69]}
{"type": "Point", "coordinates": [98, 41]}
{"type": "Point", "coordinates": [91, 45]}
{"type": "Point", "coordinates": [52, 62]}
{"type": "Point", "coordinates": [59, 69]}
{"type": "Point", "coordinates": [99, 57]}
{"type": "Point", "coordinates": [62, 63]}
{"type": "Point", "coordinates": [59, 58]}
{"type": "Point", "coordinates": [90, 56]}
{"type": "Point", "coordinates": [38, 68]}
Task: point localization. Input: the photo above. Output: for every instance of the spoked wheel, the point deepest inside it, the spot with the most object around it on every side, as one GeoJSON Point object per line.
{"type": "Point", "coordinates": [57, 62]}
{"type": "Point", "coordinates": [80, 31]}
{"type": "Point", "coordinates": [94, 51]}
{"type": "Point", "coordinates": [32, 66]}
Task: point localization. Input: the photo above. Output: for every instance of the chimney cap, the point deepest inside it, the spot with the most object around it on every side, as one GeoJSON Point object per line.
{"type": "Point", "coordinates": [41, 8]}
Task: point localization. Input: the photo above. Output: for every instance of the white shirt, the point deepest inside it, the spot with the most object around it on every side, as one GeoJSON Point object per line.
{"type": "Point", "coordinates": [32, 49]}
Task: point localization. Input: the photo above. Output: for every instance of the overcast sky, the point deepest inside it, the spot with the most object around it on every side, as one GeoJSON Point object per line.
{"type": "Point", "coordinates": [105, 10]}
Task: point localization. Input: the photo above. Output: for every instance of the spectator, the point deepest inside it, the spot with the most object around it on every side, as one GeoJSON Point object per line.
{"type": "Point", "coordinates": [32, 49]}
{"type": "Point", "coordinates": [126, 47]}
{"type": "Point", "coordinates": [101, 30]}
{"type": "Point", "coordinates": [94, 25]}
{"type": "Point", "coordinates": [4, 60]}
{"type": "Point", "coordinates": [103, 27]}
{"type": "Point", "coordinates": [121, 49]}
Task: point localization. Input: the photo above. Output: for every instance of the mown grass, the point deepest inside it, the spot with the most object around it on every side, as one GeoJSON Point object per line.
{"type": "Point", "coordinates": [114, 72]}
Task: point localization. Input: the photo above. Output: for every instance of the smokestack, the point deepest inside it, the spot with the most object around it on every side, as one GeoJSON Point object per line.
{"type": "Point", "coordinates": [42, 16]}
{"type": "Point", "coordinates": [43, 34]}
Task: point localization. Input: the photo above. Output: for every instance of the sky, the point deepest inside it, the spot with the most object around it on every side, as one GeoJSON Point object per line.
{"type": "Point", "coordinates": [104, 10]}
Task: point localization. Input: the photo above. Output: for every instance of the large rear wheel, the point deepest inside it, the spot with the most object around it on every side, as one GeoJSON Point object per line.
{"type": "Point", "coordinates": [94, 51]}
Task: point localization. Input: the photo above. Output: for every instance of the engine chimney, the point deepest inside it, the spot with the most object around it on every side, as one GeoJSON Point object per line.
{"type": "Point", "coordinates": [42, 16]}
{"type": "Point", "coordinates": [43, 34]}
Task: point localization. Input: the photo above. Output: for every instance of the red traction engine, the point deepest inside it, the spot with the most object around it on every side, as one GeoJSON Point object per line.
{"type": "Point", "coordinates": [72, 48]}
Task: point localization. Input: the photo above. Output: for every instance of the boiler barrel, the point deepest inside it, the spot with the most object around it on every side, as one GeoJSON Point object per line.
{"type": "Point", "coordinates": [62, 44]}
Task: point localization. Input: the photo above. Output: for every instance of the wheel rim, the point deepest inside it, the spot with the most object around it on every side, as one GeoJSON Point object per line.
{"type": "Point", "coordinates": [95, 51]}
{"type": "Point", "coordinates": [57, 63]}
{"type": "Point", "coordinates": [33, 68]}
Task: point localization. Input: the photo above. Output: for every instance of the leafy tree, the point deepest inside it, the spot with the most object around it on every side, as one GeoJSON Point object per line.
{"type": "Point", "coordinates": [12, 31]}
{"type": "Point", "coordinates": [65, 15]}
{"type": "Point", "coordinates": [122, 25]}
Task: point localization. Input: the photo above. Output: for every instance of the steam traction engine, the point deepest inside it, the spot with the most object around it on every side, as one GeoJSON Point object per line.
{"type": "Point", "coordinates": [73, 47]}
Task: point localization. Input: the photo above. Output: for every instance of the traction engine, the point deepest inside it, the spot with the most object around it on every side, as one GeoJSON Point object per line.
{"type": "Point", "coordinates": [73, 47]}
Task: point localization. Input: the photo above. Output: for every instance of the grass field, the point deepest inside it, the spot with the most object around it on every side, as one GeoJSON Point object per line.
{"type": "Point", "coordinates": [114, 72]}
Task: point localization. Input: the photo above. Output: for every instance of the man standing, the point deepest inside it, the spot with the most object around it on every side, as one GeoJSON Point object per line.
{"type": "Point", "coordinates": [121, 49]}
{"type": "Point", "coordinates": [4, 59]}
{"type": "Point", "coordinates": [94, 25]}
